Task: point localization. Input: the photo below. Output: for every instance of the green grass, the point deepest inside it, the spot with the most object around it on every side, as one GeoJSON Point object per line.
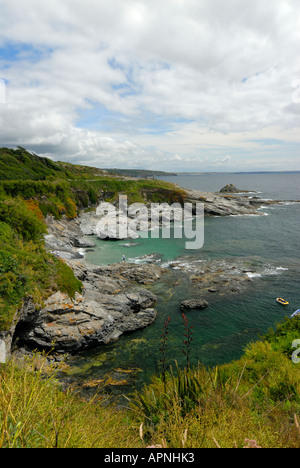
{"type": "Point", "coordinates": [255, 398]}
{"type": "Point", "coordinates": [20, 165]}
{"type": "Point", "coordinates": [36, 413]}
{"type": "Point", "coordinates": [252, 402]}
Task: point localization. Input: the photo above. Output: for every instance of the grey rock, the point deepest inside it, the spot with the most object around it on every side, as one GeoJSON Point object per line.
{"type": "Point", "coordinates": [65, 239]}
{"type": "Point", "coordinates": [83, 242]}
{"type": "Point", "coordinates": [230, 188]}
{"type": "Point", "coordinates": [217, 204]}
{"type": "Point", "coordinates": [108, 307]}
{"type": "Point", "coordinates": [191, 304]}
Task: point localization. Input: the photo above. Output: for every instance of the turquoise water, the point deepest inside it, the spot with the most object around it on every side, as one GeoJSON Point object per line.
{"type": "Point", "coordinates": [267, 245]}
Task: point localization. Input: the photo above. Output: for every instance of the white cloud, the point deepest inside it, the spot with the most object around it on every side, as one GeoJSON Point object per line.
{"type": "Point", "coordinates": [226, 159]}
{"type": "Point", "coordinates": [153, 79]}
{"type": "Point", "coordinates": [2, 92]}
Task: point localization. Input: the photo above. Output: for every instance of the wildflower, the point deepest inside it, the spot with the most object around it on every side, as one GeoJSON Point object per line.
{"type": "Point", "coordinates": [251, 444]}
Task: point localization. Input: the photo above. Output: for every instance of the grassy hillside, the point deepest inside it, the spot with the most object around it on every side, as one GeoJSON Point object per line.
{"type": "Point", "coordinates": [253, 402]}
{"type": "Point", "coordinates": [19, 164]}
{"type": "Point", "coordinates": [63, 188]}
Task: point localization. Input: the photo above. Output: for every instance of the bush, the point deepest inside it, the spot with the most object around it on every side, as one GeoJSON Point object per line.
{"type": "Point", "coordinates": [284, 334]}
{"type": "Point", "coordinates": [66, 280]}
{"type": "Point", "coordinates": [16, 214]}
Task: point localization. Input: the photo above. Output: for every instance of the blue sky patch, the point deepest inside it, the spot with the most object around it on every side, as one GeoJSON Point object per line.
{"type": "Point", "coordinates": [16, 52]}
{"type": "Point", "coordinates": [153, 124]}
{"type": "Point", "coordinates": [130, 87]}
{"type": "Point", "coordinates": [97, 117]}
{"type": "Point", "coordinates": [115, 64]}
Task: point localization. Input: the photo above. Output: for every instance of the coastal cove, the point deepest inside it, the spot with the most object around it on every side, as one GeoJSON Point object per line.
{"type": "Point", "coordinates": [261, 250]}
{"type": "Point", "coordinates": [103, 319]}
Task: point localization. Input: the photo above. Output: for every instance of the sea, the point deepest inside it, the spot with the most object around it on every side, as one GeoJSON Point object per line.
{"type": "Point", "coordinates": [266, 247]}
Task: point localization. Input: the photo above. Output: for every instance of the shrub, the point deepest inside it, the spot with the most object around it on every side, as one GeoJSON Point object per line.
{"type": "Point", "coordinates": [16, 214]}
{"type": "Point", "coordinates": [66, 280]}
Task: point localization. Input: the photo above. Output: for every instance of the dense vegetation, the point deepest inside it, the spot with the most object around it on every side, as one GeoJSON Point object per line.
{"type": "Point", "coordinates": [26, 268]}
{"type": "Point", "coordinates": [252, 402]}
{"type": "Point", "coordinates": [36, 413]}
{"type": "Point", "coordinates": [63, 188]}
{"type": "Point", "coordinates": [19, 164]}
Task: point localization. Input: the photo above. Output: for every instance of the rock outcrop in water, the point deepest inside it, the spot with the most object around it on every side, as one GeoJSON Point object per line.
{"type": "Point", "coordinates": [112, 303]}
{"type": "Point", "coordinates": [219, 276]}
{"type": "Point", "coordinates": [230, 188]}
{"type": "Point", "coordinates": [193, 304]}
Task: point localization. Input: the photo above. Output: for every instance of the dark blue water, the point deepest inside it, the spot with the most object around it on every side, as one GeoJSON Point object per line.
{"type": "Point", "coordinates": [266, 245]}
{"type": "Point", "coordinates": [282, 186]}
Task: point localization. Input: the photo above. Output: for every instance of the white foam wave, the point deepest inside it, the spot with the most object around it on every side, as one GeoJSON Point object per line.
{"type": "Point", "coordinates": [288, 203]}
{"type": "Point", "coordinates": [247, 215]}
{"type": "Point", "coordinates": [253, 275]}
{"type": "Point", "coordinates": [269, 271]}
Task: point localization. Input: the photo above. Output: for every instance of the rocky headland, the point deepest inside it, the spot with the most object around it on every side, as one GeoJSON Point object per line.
{"type": "Point", "coordinates": [227, 203]}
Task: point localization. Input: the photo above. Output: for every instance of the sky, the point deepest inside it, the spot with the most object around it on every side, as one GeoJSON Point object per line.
{"type": "Point", "coordinates": [173, 85]}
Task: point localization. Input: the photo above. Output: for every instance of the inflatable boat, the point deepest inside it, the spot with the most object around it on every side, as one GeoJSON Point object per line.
{"type": "Point", "coordinates": [282, 301]}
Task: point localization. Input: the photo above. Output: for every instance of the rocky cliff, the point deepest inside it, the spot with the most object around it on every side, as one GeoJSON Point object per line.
{"type": "Point", "coordinates": [113, 302]}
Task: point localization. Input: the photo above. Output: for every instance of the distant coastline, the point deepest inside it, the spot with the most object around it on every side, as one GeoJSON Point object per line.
{"type": "Point", "coordinates": [237, 173]}
{"type": "Point", "coordinates": [148, 173]}
{"type": "Point", "coordinates": [140, 173]}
